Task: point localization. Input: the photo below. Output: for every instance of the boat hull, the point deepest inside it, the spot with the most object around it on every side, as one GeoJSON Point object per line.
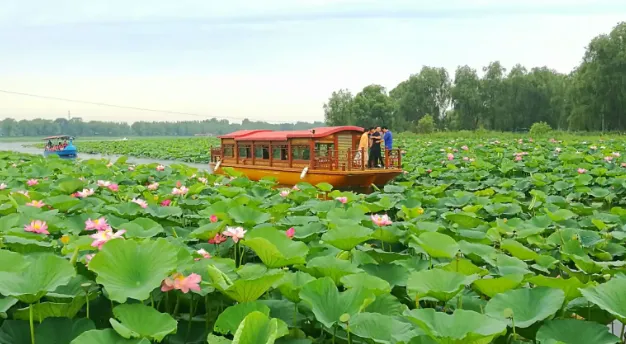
{"type": "Point", "coordinates": [62, 154]}
{"type": "Point", "coordinates": [338, 179]}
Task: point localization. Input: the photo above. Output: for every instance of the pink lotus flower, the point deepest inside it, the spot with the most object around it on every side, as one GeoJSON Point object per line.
{"type": "Point", "coordinates": [465, 148]}
{"type": "Point", "coordinates": [3, 186]}
{"type": "Point", "coordinates": [284, 193]}
{"type": "Point", "coordinates": [593, 147]}
{"type": "Point", "coordinates": [518, 158]}
{"type": "Point", "coordinates": [455, 150]}
{"type": "Point", "coordinates": [109, 164]}
{"type": "Point", "coordinates": [141, 202]}
{"type": "Point", "coordinates": [14, 165]}
{"type": "Point", "coordinates": [166, 203]}
{"type": "Point", "coordinates": [429, 171]}
{"type": "Point", "coordinates": [471, 159]}
{"type": "Point", "coordinates": [520, 141]}
{"type": "Point", "coordinates": [182, 283]}
{"type": "Point", "coordinates": [85, 193]}
{"type": "Point", "coordinates": [342, 200]}
{"type": "Point", "coordinates": [203, 180]}
{"type": "Point", "coordinates": [235, 233]}
{"type": "Point", "coordinates": [557, 149]}
{"type": "Point", "coordinates": [104, 183]}
{"type": "Point", "coordinates": [160, 168]}
{"type": "Point", "coordinates": [97, 224]}
{"type": "Point", "coordinates": [32, 182]}
{"type": "Point", "coordinates": [153, 186]}
{"type": "Point", "coordinates": [131, 168]}
{"type": "Point", "coordinates": [581, 171]}
{"type": "Point", "coordinates": [213, 218]}
{"type": "Point", "coordinates": [88, 258]}
{"type": "Point", "coordinates": [465, 158]}
{"type": "Point", "coordinates": [217, 239]}
{"type": "Point", "coordinates": [102, 237]}
{"type": "Point", "coordinates": [608, 158]}
{"type": "Point", "coordinates": [180, 192]}
{"type": "Point", "coordinates": [290, 233]}
{"type": "Point", "coordinates": [295, 188]}
{"type": "Point", "coordinates": [36, 204]}
{"type": "Point", "coordinates": [623, 164]}
{"type": "Point", "coordinates": [203, 253]}
{"type": "Point", "coordinates": [616, 154]}
{"type": "Point", "coordinates": [178, 184]}
{"type": "Point", "coordinates": [114, 187]}
{"type": "Point", "coordinates": [381, 220]}
{"type": "Point", "coordinates": [450, 156]}
{"type": "Point", "coordinates": [25, 193]}
{"type": "Point", "coordinates": [37, 226]}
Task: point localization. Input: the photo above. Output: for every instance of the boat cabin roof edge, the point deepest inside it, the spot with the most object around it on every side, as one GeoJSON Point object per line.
{"type": "Point", "coordinates": [270, 135]}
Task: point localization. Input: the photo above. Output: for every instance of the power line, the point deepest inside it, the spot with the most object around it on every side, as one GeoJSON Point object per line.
{"type": "Point", "coordinates": [131, 107]}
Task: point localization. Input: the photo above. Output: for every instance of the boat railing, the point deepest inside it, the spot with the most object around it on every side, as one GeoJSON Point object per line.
{"type": "Point", "coordinates": [352, 160]}
{"type": "Point", "coordinates": [216, 154]}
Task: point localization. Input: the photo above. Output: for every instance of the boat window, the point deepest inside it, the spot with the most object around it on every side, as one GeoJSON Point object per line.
{"type": "Point", "coordinates": [324, 149]}
{"type": "Point", "coordinates": [300, 152]}
{"type": "Point", "coordinates": [280, 153]}
{"type": "Point", "coordinates": [261, 152]}
{"type": "Point", "coordinates": [229, 151]}
{"type": "Point", "coordinates": [245, 152]}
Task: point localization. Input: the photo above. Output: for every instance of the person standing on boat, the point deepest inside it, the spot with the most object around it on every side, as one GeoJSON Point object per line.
{"type": "Point", "coordinates": [376, 159]}
{"type": "Point", "coordinates": [388, 141]}
{"type": "Point", "coordinates": [364, 146]}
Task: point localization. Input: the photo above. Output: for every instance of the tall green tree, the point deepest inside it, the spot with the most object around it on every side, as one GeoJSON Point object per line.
{"type": "Point", "coordinates": [339, 109]}
{"type": "Point", "coordinates": [373, 107]}
{"type": "Point", "coordinates": [466, 98]}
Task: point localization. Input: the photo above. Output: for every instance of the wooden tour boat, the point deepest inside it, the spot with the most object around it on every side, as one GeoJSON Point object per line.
{"type": "Point", "coordinates": [328, 154]}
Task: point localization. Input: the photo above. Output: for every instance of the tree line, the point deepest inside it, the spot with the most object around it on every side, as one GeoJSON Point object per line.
{"type": "Point", "coordinates": [590, 98]}
{"type": "Point", "coordinates": [77, 127]}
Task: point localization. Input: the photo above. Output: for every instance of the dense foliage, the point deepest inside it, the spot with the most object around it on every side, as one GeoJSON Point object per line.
{"type": "Point", "coordinates": [76, 127]}
{"type": "Point", "coordinates": [481, 241]}
{"type": "Point", "coordinates": [591, 98]}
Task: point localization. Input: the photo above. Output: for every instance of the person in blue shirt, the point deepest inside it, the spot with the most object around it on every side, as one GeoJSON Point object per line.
{"type": "Point", "coordinates": [387, 140]}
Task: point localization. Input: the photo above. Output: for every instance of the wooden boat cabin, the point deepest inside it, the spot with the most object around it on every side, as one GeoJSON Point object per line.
{"type": "Point", "coordinates": [328, 154]}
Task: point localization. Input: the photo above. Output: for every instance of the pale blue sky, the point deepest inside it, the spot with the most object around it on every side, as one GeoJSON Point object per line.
{"type": "Point", "coordinates": [275, 60]}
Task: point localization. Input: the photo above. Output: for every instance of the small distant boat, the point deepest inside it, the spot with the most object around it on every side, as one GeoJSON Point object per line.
{"type": "Point", "coordinates": [64, 149]}
{"type": "Point", "coordinates": [328, 154]}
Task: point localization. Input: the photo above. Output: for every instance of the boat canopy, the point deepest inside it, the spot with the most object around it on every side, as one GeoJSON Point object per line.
{"type": "Point", "coordinates": [270, 135]}
{"type": "Point", "coordinates": [57, 137]}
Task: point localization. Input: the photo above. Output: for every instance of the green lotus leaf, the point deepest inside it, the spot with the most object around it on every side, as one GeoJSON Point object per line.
{"type": "Point", "coordinates": [386, 304]}
{"type": "Point", "coordinates": [329, 266]}
{"type": "Point", "coordinates": [523, 305]}
{"type": "Point", "coordinates": [291, 284]}
{"type": "Point", "coordinates": [439, 284]}
{"type": "Point", "coordinates": [569, 286]}
{"type": "Point", "coordinates": [465, 220]}
{"type": "Point", "coordinates": [352, 215]}
{"type": "Point", "coordinates": [609, 296]}
{"type": "Point", "coordinates": [518, 250]}
{"type": "Point", "coordinates": [42, 274]}
{"type": "Point", "coordinates": [228, 321]}
{"type": "Point", "coordinates": [141, 228]}
{"type": "Point", "coordinates": [572, 331]}
{"type": "Point", "coordinates": [494, 286]}
{"type": "Point", "coordinates": [257, 328]}
{"type": "Point", "coordinates": [511, 266]}
{"type": "Point", "coordinates": [45, 310]}
{"type": "Point", "coordinates": [460, 327]}
{"type": "Point", "coordinates": [248, 216]}
{"type": "Point", "coordinates": [61, 330]}
{"type": "Point", "coordinates": [347, 237]}
{"type": "Point", "coordinates": [140, 321]}
{"type": "Point", "coordinates": [247, 288]}
{"type": "Point", "coordinates": [12, 261]}
{"type": "Point", "coordinates": [62, 202]}
{"type": "Point", "coordinates": [438, 245]}
{"type": "Point", "coordinates": [395, 275]}
{"type": "Point", "coordinates": [5, 304]}
{"type": "Point", "coordinates": [15, 332]}
{"type": "Point", "coordinates": [130, 269]}
{"type": "Point", "coordinates": [108, 336]}
{"type": "Point", "coordinates": [328, 304]}
{"type": "Point", "coordinates": [383, 329]}
{"type": "Point", "coordinates": [213, 339]}
{"type": "Point", "coordinates": [164, 212]}
{"type": "Point", "coordinates": [376, 285]}
{"type": "Point", "coordinates": [465, 267]}
{"type": "Point", "coordinates": [274, 248]}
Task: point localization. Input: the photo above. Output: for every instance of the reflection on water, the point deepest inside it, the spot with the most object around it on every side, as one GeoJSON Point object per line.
{"type": "Point", "coordinates": [21, 147]}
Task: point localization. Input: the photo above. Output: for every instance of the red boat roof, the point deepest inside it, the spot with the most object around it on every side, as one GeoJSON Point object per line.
{"type": "Point", "coordinates": [268, 135]}
{"type": "Point", "coordinates": [240, 133]}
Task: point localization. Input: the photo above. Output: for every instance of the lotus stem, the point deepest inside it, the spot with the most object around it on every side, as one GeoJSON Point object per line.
{"type": "Point", "coordinates": [295, 314]}
{"type": "Point", "coordinates": [237, 253]}
{"type": "Point", "coordinates": [334, 334]}
{"type": "Point", "coordinates": [177, 305]}
{"type": "Point", "coordinates": [348, 330]}
{"type": "Point", "coordinates": [74, 257]}
{"type": "Point", "coordinates": [208, 312]}
{"type": "Point", "coordinates": [32, 326]}
{"type": "Point", "coordinates": [621, 336]}
{"type": "Point", "coordinates": [190, 317]}
{"type": "Point", "coordinates": [87, 303]}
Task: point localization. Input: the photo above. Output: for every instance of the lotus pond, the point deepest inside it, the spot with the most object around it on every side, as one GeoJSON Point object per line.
{"type": "Point", "coordinates": [481, 241]}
